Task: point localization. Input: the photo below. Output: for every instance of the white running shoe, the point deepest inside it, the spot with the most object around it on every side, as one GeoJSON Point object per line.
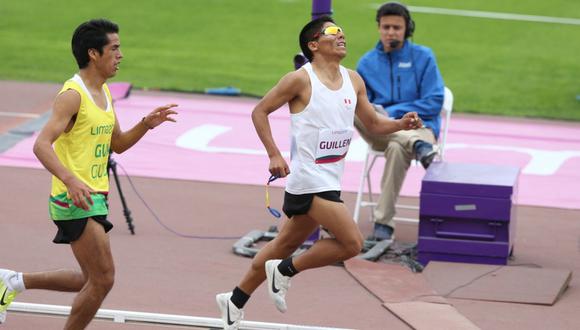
{"type": "Point", "coordinates": [7, 295]}
{"type": "Point", "coordinates": [278, 284]}
{"type": "Point", "coordinates": [231, 315]}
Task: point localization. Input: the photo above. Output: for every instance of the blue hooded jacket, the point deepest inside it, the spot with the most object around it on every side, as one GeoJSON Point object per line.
{"type": "Point", "coordinates": [404, 80]}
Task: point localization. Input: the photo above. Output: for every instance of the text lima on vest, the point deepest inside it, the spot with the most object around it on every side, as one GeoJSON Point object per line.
{"type": "Point", "coordinates": [102, 129]}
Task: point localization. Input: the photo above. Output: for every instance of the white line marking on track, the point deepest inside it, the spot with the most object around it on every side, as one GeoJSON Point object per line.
{"type": "Point", "coordinates": [493, 15]}
{"type": "Point", "coordinates": [19, 114]}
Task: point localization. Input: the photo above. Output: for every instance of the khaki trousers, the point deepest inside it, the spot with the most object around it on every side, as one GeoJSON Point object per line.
{"type": "Point", "coordinates": [398, 149]}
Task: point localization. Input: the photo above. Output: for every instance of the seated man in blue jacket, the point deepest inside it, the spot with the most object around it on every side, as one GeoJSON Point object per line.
{"type": "Point", "coordinates": [401, 77]}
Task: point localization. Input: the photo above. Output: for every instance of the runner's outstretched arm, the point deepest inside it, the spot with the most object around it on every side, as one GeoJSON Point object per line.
{"type": "Point", "coordinates": [121, 141]}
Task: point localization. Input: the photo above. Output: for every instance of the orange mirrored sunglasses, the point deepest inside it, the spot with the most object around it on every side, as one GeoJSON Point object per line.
{"type": "Point", "coordinates": [327, 31]}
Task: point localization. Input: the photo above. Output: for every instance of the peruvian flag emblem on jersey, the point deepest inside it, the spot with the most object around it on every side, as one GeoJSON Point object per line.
{"type": "Point", "coordinates": [347, 101]}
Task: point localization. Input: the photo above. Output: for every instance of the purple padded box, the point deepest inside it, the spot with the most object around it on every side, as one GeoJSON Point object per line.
{"type": "Point", "coordinates": [466, 213]}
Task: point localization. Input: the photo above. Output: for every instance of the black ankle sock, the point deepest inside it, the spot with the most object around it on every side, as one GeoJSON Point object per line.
{"type": "Point", "coordinates": [286, 268]}
{"type": "Point", "coordinates": [239, 298]}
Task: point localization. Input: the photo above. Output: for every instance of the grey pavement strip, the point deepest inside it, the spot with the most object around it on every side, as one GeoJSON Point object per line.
{"type": "Point", "coordinates": [21, 132]}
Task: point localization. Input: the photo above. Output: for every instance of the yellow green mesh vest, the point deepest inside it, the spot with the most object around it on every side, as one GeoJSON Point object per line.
{"type": "Point", "coordinates": [84, 150]}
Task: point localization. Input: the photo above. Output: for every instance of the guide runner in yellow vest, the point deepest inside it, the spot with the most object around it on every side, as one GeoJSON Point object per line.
{"type": "Point", "coordinates": [74, 146]}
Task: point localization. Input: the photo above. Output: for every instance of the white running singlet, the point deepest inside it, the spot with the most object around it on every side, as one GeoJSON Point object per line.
{"type": "Point", "coordinates": [321, 135]}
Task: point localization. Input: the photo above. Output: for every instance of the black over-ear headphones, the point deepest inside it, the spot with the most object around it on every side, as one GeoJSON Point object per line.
{"type": "Point", "coordinates": [398, 9]}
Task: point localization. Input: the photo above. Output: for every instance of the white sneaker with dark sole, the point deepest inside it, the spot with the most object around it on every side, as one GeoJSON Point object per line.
{"type": "Point", "coordinates": [231, 315]}
{"type": "Point", "coordinates": [278, 284]}
{"type": "Point", "coordinates": [7, 295]}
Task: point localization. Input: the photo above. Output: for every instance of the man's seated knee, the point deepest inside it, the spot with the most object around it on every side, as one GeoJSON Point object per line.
{"type": "Point", "coordinates": [395, 148]}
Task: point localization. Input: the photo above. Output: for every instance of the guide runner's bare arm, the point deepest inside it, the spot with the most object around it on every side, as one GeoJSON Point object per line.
{"type": "Point", "coordinates": [65, 108]}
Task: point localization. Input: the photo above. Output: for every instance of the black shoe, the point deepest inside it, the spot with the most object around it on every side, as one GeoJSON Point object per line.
{"type": "Point", "coordinates": [425, 153]}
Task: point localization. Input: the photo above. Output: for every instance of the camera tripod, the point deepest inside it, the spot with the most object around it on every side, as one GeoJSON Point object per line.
{"type": "Point", "coordinates": [112, 167]}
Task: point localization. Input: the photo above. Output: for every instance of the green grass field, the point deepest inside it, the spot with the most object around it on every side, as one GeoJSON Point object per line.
{"type": "Point", "coordinates": [503, 67]}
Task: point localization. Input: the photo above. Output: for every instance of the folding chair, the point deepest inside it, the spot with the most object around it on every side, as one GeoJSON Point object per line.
{"type": "Point", "coordinates": [372, 155]}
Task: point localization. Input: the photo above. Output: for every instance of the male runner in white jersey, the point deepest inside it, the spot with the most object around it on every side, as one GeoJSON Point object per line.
{"type": "Point", "coordinates": [74, 146]}
{"type": "Point", "coordinates": [323, 97]}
